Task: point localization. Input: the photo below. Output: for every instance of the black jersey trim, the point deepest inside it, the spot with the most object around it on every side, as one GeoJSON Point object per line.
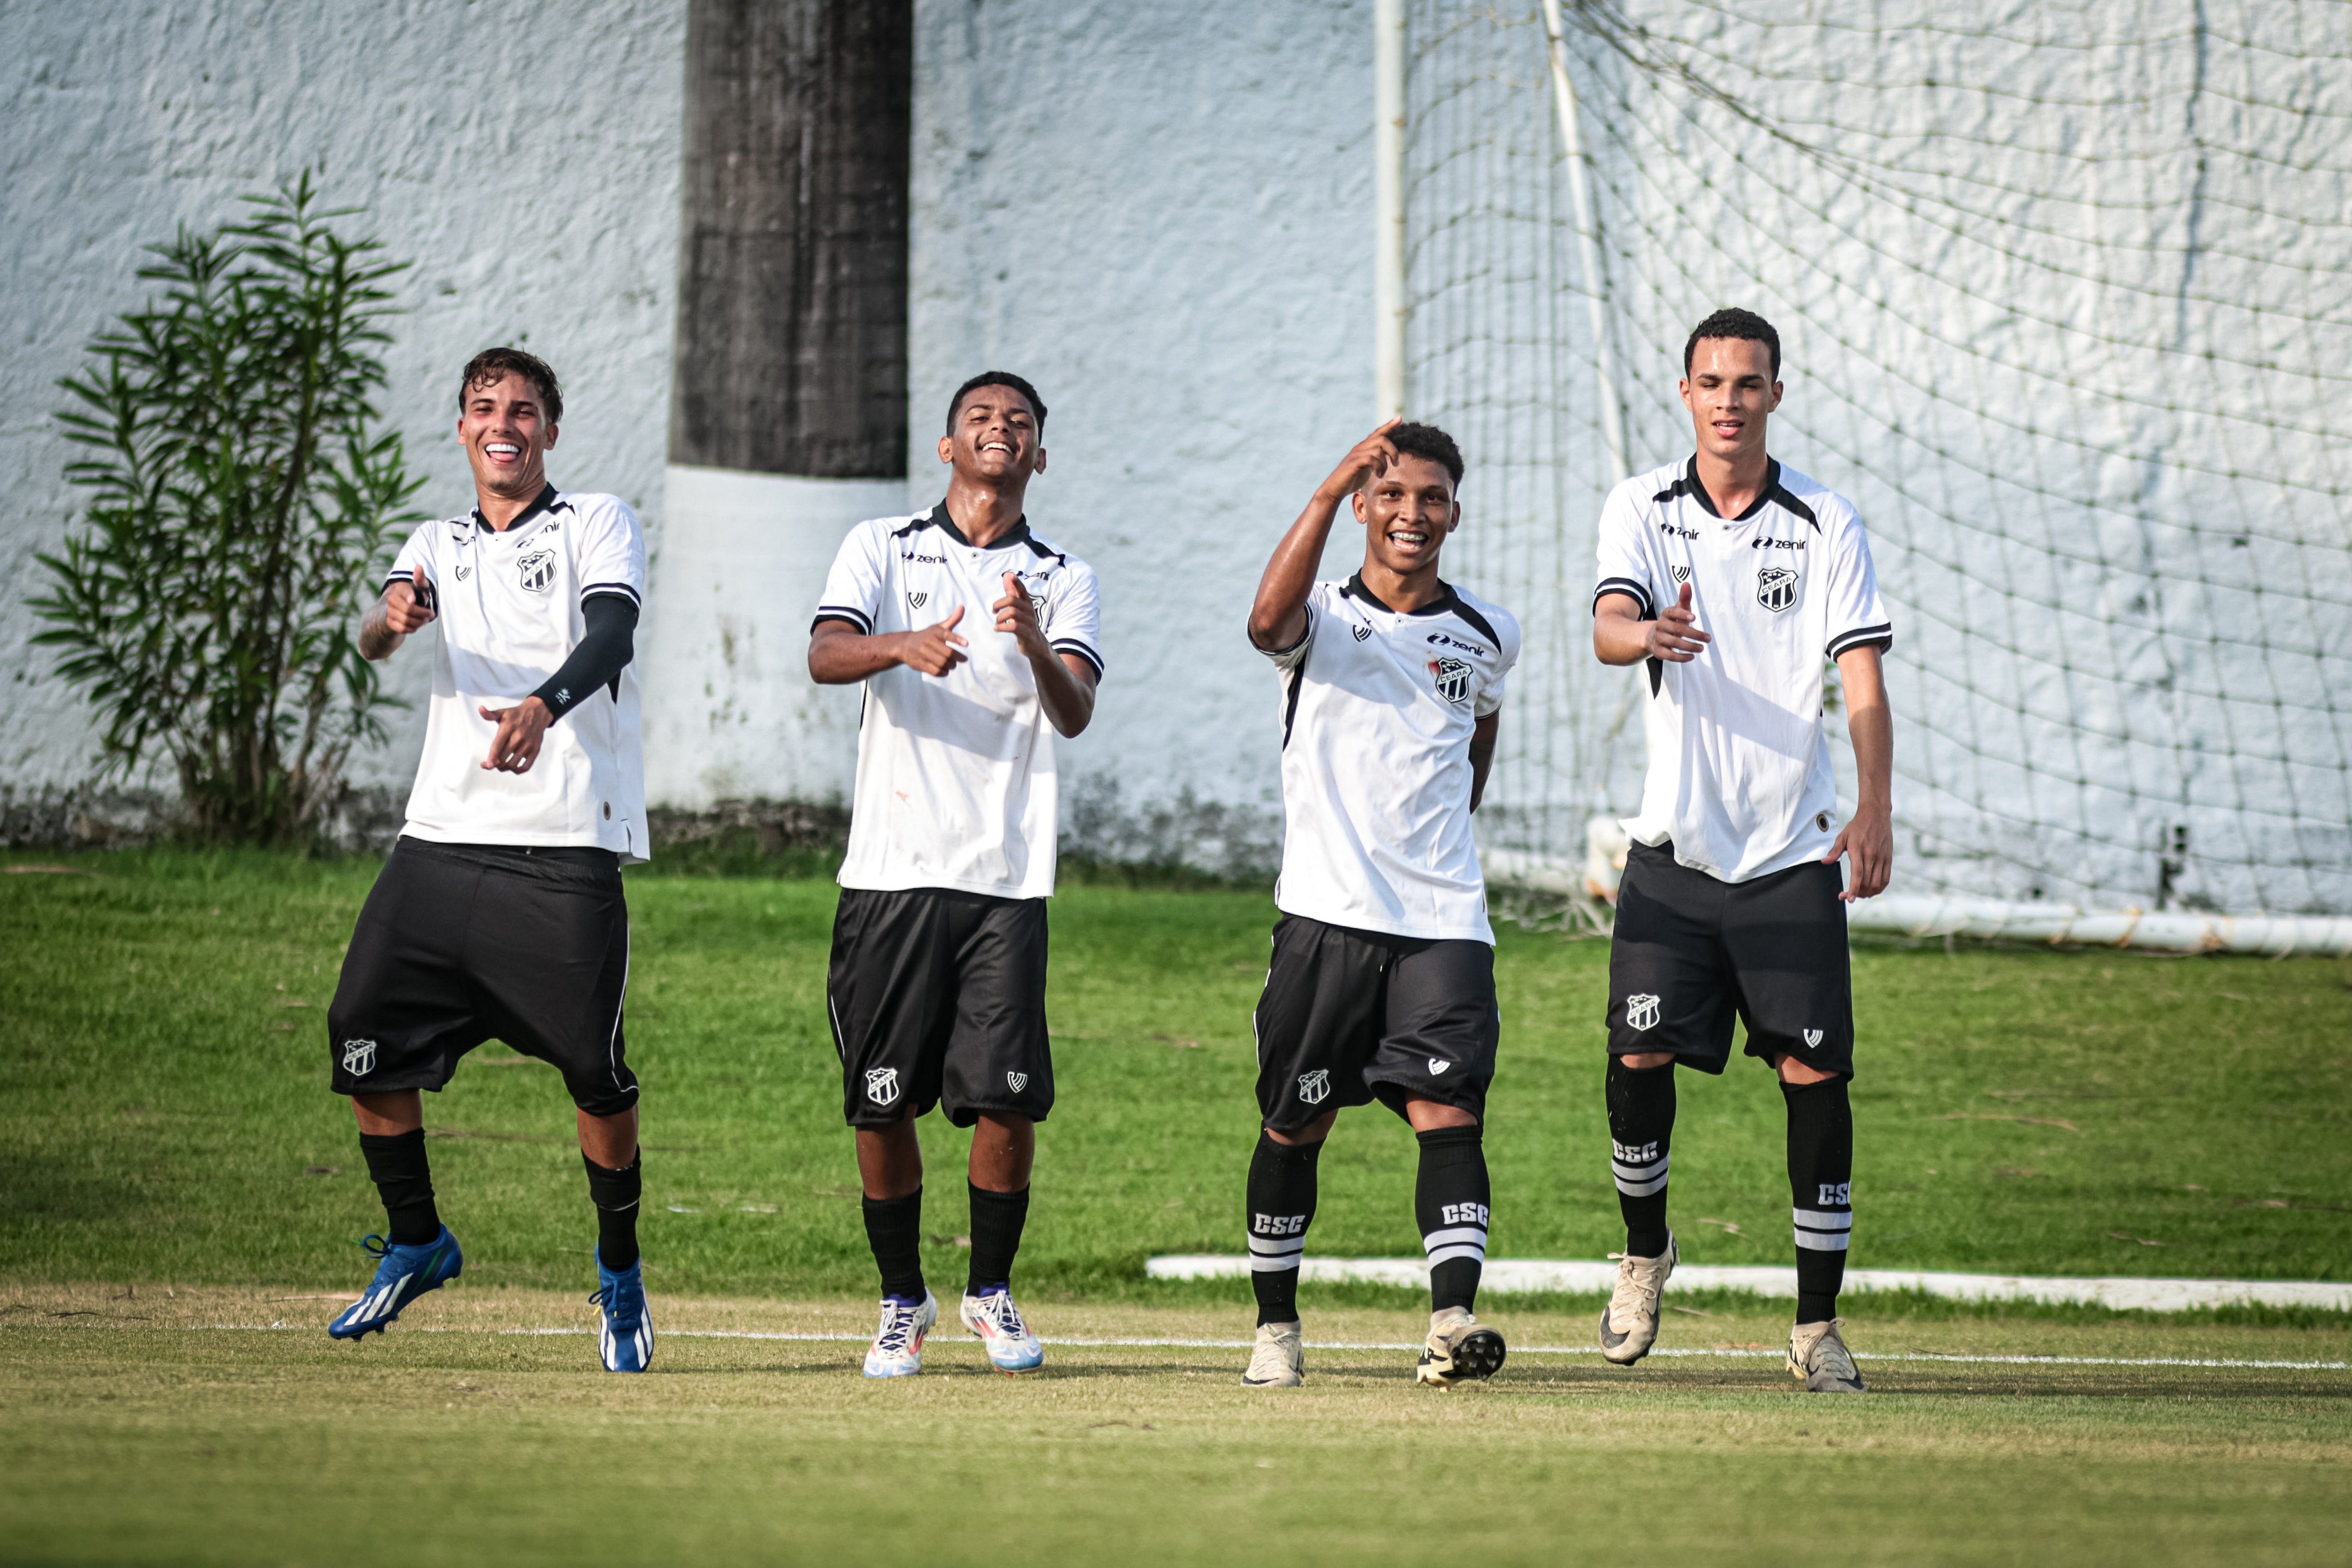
{"type": "Point", "coordinates": [1018, 534]}
{"type": "Point", "coordinates": [1881, 636]}
{"type": "Point", "coordinates": [1631, 589]}
{"type": "Point", "coordinates": [547, 500]}
{"type": "Point", "coordinates": [1774, 493]}
{"type": "Point", "coordinates": [1447, 603]}
{"type": "Point", "coordinates": [1072, 645]}
{"type": "Point", "coordinates": [614, 590]}
{"type": "Point", "coordinates": [844, 614]}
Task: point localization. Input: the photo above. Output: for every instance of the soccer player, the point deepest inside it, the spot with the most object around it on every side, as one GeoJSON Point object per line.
{"type": "Point", "coordinates": [499, 914]}
{"type": "Point", "coordinates": [976, 642]}
{"type": "Point", "coordinates": [1736, 580]}
{"type": "Point", "coordinates": [1382, 980]}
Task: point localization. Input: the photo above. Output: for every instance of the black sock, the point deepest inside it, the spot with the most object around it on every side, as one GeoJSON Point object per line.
{"type": "Point", "coordinates": [996, 1221]}
{"type": "Point", "coordinates": [1450, 1204]}
{"type": "Point", "coordinates": [1281, 1204]}
{"type": "Point", "coordinates": [1641, 1126]}
{"type": "Point", "coordinates": [616, 1194]}
{"type": "Point", "coordinates": [404, 1178]}
{"type": "Point", "coordinates": [1820, 1186]}
{"type": "Point", "coordinates": [894, 1228]}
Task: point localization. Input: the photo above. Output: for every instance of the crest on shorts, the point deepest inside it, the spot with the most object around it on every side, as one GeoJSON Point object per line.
{"type": "Point", "coordinates": [1812, 1039]}
{"type": "Point", "coordinates": [1453, 679]}
{"type": "Point", "coordinates": [882, 1084]}
{"type": "Point", "coordinates": [1361, 630]}
{"type": "Point", "coordinates": [1776, 588]}
{"type": "Point", "coordinates": [359, 1057]}
{"type": "Point", "coordinates": [536, 569]}
{"type": "Point", "coordinates": [917, 600]}
{"type": "Point", "coordinates": [1315, 1087]}
{"type": "Point", "coordinates": [1019, 1081]}
{"type": "Point", "coordinates": [1642, 1012]}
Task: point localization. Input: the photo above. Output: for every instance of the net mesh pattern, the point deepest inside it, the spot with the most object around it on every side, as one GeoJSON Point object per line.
{"type": "Point", "coordinates": [2065, 314]}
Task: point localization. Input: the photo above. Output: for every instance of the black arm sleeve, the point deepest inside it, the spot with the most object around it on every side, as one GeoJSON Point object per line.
{"type": "Point", "coordinates": [602, 653]}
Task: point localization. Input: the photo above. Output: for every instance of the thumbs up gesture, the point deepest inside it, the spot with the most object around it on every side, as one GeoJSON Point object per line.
{"type": "Point", "coordinates": [408, 606]}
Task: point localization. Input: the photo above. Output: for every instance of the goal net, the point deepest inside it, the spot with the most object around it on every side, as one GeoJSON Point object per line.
{"type": "Point", "coordinates": [2065, 312]}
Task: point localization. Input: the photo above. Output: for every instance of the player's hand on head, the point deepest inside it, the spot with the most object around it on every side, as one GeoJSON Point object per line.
{"type": "Point", "coordinates": [1016, 613]}
{"type": "Point", "coordinates": [1675, 635]}
{"type": "Point", "coordinates": [1366, 461]}
{"type": "Point", "coordinates": [408, 605]}
{"type": "Point", "coordinates": [522, 729]}
{"type": "Point", "coordinates": [935, 649]}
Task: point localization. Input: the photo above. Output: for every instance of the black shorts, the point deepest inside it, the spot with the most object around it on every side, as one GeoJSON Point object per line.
{"type": "Point", "coordinates": [1691, 951]}
{"type": "Point", "coordinates": [938, 995]}
{"type": "Point", "coordinates": [462, 943]}
{"type": "Point", "coordinates": [1350, 1017]}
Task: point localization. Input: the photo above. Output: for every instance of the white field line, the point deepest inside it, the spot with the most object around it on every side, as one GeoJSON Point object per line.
{"type": "Point", "coordinates": [1156, 1343]}
{"type": "Point", "coordinates": [1596, 1277]}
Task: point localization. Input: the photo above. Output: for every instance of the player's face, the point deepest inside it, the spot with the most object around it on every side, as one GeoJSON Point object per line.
{"type": "Point", "coordinates": [1729, 391]}
{"type": "Point", "coordinates": [1407, 512]}
{"type": "Point", "coordinates": [507, 435]}
{"type": "Point", "coordinates": [995, 437]}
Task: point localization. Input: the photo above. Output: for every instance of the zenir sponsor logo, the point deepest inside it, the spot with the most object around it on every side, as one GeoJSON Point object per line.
{"type": "Point", "coordinates": [1681, 533]}
{"type": "Point", "coordinates": [1776, 588]}
{"type": "Point", "coordinates": [882, 1084]}
{"type": "Point", "coordinates": [1776, 544]}
{"type": "Point", "coordinates": [1640, 1011]}
{"type": "Point", "coordinates": [1440, 639]}
{"type": "Point", "coordinates": [536, 569]}
{"type": "Point", "coordinates": [925, 559]}
{"type": "Point", "coordinates": [359, 1057]}
{"type": "Point", "coordinates": [1453, 679]}
{"type": "Point", "coordinates": [1315, 1087]}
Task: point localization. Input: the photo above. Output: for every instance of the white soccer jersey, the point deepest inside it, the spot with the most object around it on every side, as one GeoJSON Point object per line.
{"type": "Point", "coordinates": [510, 616]}
{"type": "Point", "coordinates": [956, 782]}
{"type": "Point", "coordinates": [1377, 710]}
{"type": "Point", "coordinates": [1744, 788]}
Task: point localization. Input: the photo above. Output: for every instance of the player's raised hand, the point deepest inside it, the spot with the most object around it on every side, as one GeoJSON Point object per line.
{"type": "Point", "coordinates": [1017, 615]}
{"type": "Point", "coordinates": [407, 606]}
{"type": "Point", "coordinates": [522, 730]}
{"type": "Point", "coordinates": [1869, 838]}
{"type": "Point", "coordinates": [933, 649]}
{"type": "Point", "coordinates": [1366, 461]}
{"type": "Point", "coordinates": [1674, 636]}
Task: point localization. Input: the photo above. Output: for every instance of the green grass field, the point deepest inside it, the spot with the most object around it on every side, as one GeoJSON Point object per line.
{"type": "Point", "coordinates": [165, 1127]}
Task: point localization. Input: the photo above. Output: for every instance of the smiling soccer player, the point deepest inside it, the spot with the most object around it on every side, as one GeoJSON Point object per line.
{"type": "Point", "coordinates": [499, 915]}
{"type": "Point", "coordinates": [1382, 980]}
{"type": "Point", "coordinates": [1735, 580]}
{"type": "Point", "coordinates": [976, 642]}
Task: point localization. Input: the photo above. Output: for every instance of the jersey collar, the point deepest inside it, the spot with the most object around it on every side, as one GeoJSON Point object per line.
{"type": "Point", "coordinates": [546, 501]}
{"type": "Point", "coordinates": [1688, 483]}
{"type": "Point", "coordinates": [1446, 599]}
{"type": "Point", "coordinates": [1016, 535]}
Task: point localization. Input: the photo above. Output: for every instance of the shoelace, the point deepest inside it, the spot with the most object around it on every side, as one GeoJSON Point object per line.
{"type": "Point", "coordinates": [1631, 1291]}
{"type": "Point", "coordinates": [999, 1310]}
{"type": "Point", "coordinates": [897, 1328]}
{"type": "Point", "coordinates": [376, 1247]}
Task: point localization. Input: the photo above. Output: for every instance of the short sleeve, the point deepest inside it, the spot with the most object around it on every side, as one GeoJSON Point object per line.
{"type": "Point", "coordinates": [611, 552]}
{"type": "Point", "coordinates": [1856, 617]}
{"type": "Point", "coordinates": [1624, 558]}
{"type": "Point", "coordinates": [853, 589]}
{"type": "Point", "coordinates": [1290, 658]}
{"type": "Point", "coordinates": [417, 551]}
{"type": "Point", "coordinates": [1074, 614]}
{"type": "Point", "coordinates": [1506, 633]}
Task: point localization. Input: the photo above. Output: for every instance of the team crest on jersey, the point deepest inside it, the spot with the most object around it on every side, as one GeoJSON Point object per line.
{"type": "Point", "coordinates": [917, 600]}
{"type": "Point", "coordinates": [1642, 1012]}
{"type": "Point", "coordinates": [1453, 679]}
{"type": "Point", "coordinates": [1315, 1087]}
{"type": "Point", "coordinates": [882, 1084]}
{"type": "Point", "coordinates": [536, 569]}
{"type": "Point", "coordinates": [1019, 1081]}
{"type": "Point", "coordinates": [1776, 588]}
{"type": "Point", "coordinates": [1681, 573]}
{"type": "Point", "coordinates": [359, 1057]}
{"type": "Point", "coordinates": [1361, 630]}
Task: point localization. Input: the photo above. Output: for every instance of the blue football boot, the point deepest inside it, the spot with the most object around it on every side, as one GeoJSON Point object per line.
{"type": "Point", "coordinates": [403, 1274]}
{"type": "Point", "coordinates": [625, 1336]}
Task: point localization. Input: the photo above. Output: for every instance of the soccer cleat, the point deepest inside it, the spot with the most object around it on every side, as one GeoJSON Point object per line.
{"type": "Point", "coordinates": [624, 1333]}
{"type": "Point", "coordinates": [1278, 1360]}
{"type": "Point", "coordinates": [402, 1274]}
{"type": "Point", "coordinates": [1629, 1324]}
{"type": "Point", "coordinates": [1817, 1354]}
{"type": "Point", "coordinates": [1460, 1349]}
{"type": "Point", "coordinates": [897, 1347]}
{"type": "Point", "coordinates": [1011, 1346]}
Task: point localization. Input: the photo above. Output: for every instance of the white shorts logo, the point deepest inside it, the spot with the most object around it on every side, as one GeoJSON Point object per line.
{"type": "Point", "coordinates": [1776, 588]}
{"type": "Point", "coordinates": [882, 1084]}
{"type": "Point", "coordinates": [1813, 1038]}
{"type": "Point", "coordinates": [1019, 1081]}
{"type": "Point", "coordinates": [1316, 1086]}
{"type": "Point", "coordinates": [359, 1057]}
{"type": "Point", "coordinates": [1640, 1011]}
{"type": "Point", "coordinates": [1436, 1067]}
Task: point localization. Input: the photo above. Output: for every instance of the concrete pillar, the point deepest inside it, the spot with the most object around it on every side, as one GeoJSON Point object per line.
{"type": "Point", "coordinates": [788, 413]}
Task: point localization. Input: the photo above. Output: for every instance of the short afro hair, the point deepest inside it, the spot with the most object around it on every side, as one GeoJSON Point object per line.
{"type": "Point", "coordinates": [493, 365]}
{"type": "Point", "coordinates": [1426, 441]}
{"type": "Point", "coordinates": [1734, 323]}
{"type": "Point", "coordinates": [996, 378]}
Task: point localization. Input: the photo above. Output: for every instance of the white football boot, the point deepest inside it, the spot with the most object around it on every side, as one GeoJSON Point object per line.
{"type": "Point", "coordinates": [1279, 1358]}
{"type": "Point", "coordinates": [1817, 1354]}
{"type": "Point", "coordinates": [1629, 1324]}
{"type": "Point", "coordinates": [1012, 1348]}
{"type": "Point", "coordinates": [897, 1347]}
{"type": "Point", "coordinates": [1460, 1349]}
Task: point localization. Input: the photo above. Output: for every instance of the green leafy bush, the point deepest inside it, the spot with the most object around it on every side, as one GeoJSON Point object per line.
{"type": "Point", "coordinates": [240, 491]}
